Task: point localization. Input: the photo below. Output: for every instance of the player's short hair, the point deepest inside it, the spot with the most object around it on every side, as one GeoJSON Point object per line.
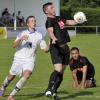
{"type": "Point", "coordinates": [46, 5]}
{"type": "Point", "coordinates": [29, 18]}
{"type": "Point", "coordinates": [75, 48]}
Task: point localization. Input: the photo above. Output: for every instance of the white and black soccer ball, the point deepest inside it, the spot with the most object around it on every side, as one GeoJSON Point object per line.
{"type": "Point", "coordinates": [80, 17]}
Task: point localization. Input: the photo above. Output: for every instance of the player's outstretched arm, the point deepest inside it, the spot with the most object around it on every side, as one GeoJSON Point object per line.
{"type": "Point", "coordinates": [79, 18]}
{"type": "Point", "coordinates": [84, 77]}
{"type": "Point", "coordinates": [18, 41]}
{"type": "Point", "coordinates": [71, 22]}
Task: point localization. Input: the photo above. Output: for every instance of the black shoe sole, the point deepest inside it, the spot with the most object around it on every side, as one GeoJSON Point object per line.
{"type": "Point", "coordinates": [56, 98]}
{"type": "Point", "coordinates": [49, 96]}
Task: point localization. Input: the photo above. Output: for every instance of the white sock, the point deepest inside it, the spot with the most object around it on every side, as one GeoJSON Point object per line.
{"type": "Point", "coordinates": [5, 83]}
{"type": "Point", "coordinates": [18, 86]}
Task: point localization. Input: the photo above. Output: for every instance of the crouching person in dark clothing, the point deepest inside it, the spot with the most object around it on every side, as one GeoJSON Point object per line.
{"type": "Point", "coordinates": [82, 70]}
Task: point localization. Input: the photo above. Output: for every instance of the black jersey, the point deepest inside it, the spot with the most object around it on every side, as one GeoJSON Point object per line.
{"type": "Point", "coordinates": [82, 61]}
{"type": "Point", "coordinates": [59, 31]}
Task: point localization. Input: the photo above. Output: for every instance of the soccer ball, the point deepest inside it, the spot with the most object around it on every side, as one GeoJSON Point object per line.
{"type": "Point", "coordinates": [80, 17]}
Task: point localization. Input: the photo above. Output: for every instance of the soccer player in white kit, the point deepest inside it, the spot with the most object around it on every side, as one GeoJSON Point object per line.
{"type": "Point", "coordinates": [24, 58]}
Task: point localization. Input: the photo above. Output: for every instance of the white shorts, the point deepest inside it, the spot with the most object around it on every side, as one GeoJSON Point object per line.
{"type": "Point", "coordinates": [19, 66]}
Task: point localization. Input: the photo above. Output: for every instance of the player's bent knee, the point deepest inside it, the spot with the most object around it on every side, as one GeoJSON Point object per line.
{"type": "Point", "coordinates": [27, 74]}
{"type": "Point", "coordinates": [58, 67]}
{"type": "Point", "coordinates": [10, 77]}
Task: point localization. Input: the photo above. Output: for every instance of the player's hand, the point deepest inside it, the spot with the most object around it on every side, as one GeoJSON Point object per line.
{"type": "Point", "coordinates": [24, 37]}
{"type": "Point", "coordinates": [46, 50]}
{"type": "Point", "coordinates": [82, 86]}
{"type": "Point", "coordinates": [54, 40]}
{"type": "Point", "coordinates": [75, 85]}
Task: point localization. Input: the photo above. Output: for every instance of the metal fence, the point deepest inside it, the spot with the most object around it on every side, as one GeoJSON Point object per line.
{"type": "Point", "coordinates": [73, 30]}
{"type": "Point", "coordinates": [96, 29]}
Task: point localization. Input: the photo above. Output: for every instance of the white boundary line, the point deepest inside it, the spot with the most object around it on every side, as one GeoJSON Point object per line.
{"type": "Point", "coordinates": [88, 96]}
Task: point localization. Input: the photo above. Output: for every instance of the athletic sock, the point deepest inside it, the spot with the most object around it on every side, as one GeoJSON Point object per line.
{"type": "Point", "coordinates": [52, 80]}
{"type": "Point", "coordinates": [18, 86]}
{"type": "Point", "coordinates": [5, 83]}
{"type": "Point", "coordinates": [57, 82]}
{"type": "Point", "coordinates": [60, 79]}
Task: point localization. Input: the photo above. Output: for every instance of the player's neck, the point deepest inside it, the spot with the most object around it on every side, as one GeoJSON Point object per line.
{"type": "Point", "coordinates": [31, 30]}
{"type": "Point", "coordinates": [51, 16]}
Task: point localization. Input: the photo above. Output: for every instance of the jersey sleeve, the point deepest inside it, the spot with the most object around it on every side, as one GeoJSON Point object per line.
{"type": "Point", "coordinates": [49, 23]}
{"type": "Point", "coordinates": [18, 36]}
{"type": "Point", "coordinates": [84, 61]}
{"type": "Point", "coordinates": [72, 66]}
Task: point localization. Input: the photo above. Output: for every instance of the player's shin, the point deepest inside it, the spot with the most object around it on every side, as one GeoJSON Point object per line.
{"type": "Point", "coordinates": [5, 83]}
{"type": "Point", "coordinates": [52, 80]}
{"type": "Point", "coordinates": [58, 81]}
{"type": "Point", "coordinates": [18, 86]}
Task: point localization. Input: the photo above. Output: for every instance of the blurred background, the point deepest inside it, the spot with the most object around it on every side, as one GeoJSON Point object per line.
{"type": "Point", "coordinates": [13, 14]}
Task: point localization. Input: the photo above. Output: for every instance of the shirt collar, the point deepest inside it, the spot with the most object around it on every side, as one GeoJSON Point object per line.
{"type": "Point", "coordinates": [31, 32]}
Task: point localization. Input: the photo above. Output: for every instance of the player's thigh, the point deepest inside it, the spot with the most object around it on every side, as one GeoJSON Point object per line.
{"type": "Point", "coordinates": [58, 67]}
{"type": "Point", "coordinates": [56, 57]}
{"type": "Point", "coordinates": [15, 68]}
{"type": "Point", "coordinates": [28, 69]}
{"type": "Point", "coordinates": [66, 57]}
{"type": "Point", "coordinates": [65, 61]}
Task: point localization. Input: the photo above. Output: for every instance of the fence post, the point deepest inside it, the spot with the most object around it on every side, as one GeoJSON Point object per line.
{"type": "Point", "coordinates": [96, 30]}
{"type": "Point", "coordinates": [76, 30]}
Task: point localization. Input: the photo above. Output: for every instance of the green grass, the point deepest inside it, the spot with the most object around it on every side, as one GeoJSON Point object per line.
{"type": "Point", "coordinates": [89, 46]}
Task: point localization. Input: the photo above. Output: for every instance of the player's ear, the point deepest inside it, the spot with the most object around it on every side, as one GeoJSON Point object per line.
{"type": "Point", "coordinates": [46, 11]}
{"type": "Point", "coordinates": [27, 23]}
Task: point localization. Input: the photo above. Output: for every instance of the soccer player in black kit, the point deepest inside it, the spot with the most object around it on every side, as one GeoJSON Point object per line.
{"type": "Point", "coordinates": [82, 70]}
{"type": "Point", "coordinates": [59, 49]}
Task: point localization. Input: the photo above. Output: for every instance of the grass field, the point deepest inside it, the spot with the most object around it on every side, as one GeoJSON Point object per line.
{"type": "Point", "coordinates": [89, 46]}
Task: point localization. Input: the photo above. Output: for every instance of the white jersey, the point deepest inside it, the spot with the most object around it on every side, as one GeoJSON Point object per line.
{"type": "Point", "coordinates": [26, 50]}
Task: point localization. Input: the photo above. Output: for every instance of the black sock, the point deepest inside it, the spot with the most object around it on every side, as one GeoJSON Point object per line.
{"type": "Point", "coordinates": [52, 80]}
{"type": "Point", "coordinates": [58, 81]}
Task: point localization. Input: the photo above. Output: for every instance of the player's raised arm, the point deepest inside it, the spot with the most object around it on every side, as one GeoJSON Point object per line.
{"type": "Point", "coordinates": [71, 22]}
{"type": "Point", "coordinates": [84, 77]}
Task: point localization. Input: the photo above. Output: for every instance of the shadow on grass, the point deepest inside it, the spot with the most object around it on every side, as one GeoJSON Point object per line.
{"type": "Point", "coordinates": [62, 92]}
{"type": "Point", "coordinates": [82, 93]}
{"type": "Point", "coordinates": [27, 96]}
{"type": "Point", "coordinates": [70, 96]}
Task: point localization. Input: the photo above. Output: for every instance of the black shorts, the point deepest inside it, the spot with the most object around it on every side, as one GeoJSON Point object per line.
{"type": "Point", "coordinates": [60, 55]}
{"type": "Point", "coordinates": [90, 75]}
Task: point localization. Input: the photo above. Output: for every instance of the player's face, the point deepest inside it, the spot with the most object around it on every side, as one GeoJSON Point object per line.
{"type": "Point", "coordinates": [75, 54]}
{"type": "Point", "coordinates": [31, 23]}
{"type": "Point", "coordinates": [51, 10]}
